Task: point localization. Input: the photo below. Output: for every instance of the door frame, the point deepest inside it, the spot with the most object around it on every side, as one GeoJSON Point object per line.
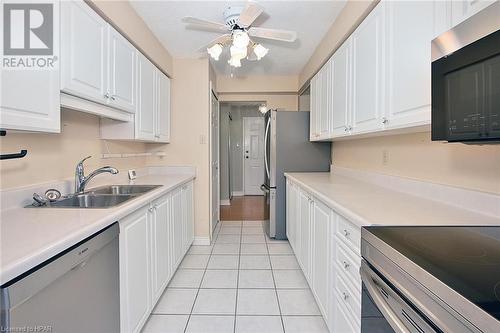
{"type": "Point", "coordinates": [213, 94]}
{"type": "Point", "coordinates": [243, 151]}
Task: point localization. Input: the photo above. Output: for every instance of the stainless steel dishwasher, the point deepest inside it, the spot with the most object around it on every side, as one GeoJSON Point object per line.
{"type": "Point", "coordinates": [75, 291]}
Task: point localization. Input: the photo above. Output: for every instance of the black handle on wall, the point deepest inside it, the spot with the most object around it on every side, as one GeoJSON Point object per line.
{"type": "Point", "coordinates": [21, 154]}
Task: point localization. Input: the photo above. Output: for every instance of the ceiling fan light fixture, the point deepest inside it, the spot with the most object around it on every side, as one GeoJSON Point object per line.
{"type": "Point", "coordinates": [260, 51]}
{"type": "Point", "coordinates": [235, 62]}
{"type": "Point", "coordinates": [215, 51]}
{"type": "Point", "coordinates": [238, 53]}
{"type": "Point", "coordinates": [240, 39]}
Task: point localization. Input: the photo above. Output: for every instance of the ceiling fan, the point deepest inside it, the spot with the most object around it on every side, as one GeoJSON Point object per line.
{"type": "Point", "coordinates": [238, 25]}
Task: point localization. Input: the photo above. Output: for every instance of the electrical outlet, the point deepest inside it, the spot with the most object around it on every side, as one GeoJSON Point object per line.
{"type": "Point", "coordinates": [385, 157]}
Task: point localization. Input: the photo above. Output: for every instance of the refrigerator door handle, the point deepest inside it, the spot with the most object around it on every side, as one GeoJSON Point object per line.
{"type": "Point", "coordinates": [264, 188]}
{"type": "Point", "coordinates": [265, 146]}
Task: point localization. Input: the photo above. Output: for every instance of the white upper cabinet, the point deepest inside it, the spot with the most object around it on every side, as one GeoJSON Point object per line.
{"type": "Point", "coordinates": [463, 9]}
{"type": "Point", "coordinates": [340, 90]}
{"type": "Point", "coordinates": [409, 65]}
{"type": "Point", "coordinates": [162, 108]}
{"type": "Point", "coordinates": [313, 133]}
{"type": "Point", "coordinates": [368, 66]}
{"type": "Point", "coordinates": [145, 118]}
{"type": "Point", "coordinates": [323, 119]}
{"type": "Point", "coordinates": [84, 52]}
{"type": "Point", "coordinates": [30, 100]}
{"type": "Point", "coordinates": [122, 72]}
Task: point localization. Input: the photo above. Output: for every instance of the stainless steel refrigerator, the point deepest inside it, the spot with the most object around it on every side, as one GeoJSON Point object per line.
{"type": "Point", "coordinates": [288, 149]}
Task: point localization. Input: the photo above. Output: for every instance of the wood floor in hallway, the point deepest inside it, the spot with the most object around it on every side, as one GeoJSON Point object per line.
{"type": "Point", "coordinates": [246, 208]}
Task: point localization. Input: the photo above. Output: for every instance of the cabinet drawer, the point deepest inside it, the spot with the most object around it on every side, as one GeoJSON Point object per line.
{"type": "Point", "coordinates": [343, 321]}
{"type": "Point", "coordinates": [348, 262]}
{"type": "Point", "coordinates": [350, 297]}
{"type": "Point", "coordinates": [349, 233]}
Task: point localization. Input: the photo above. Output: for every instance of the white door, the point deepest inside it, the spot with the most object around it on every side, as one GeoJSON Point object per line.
{"type": "Point", "coordinates": [291, 214]}
{"type": "Point", "coordinates": [321, 260]}
{"type": "Point", "coordinates": [409, 65]}
{"type": "Point", "coordinates": [305, 233]}
{"type": "Point", "coordinates": [214, 160]}
{"type": "Point", "coordinates": [160, 235]}
{"type": "Point", "coordinates": [122, 72]}
{"type": "Point", "coordinates": [163, 107]}
{"type": "Point", "coordinates": [368, 72]}
{"type": "Point", "coordinates": [135, 278]}
{"type": "Point", "coordinates": [253, 155]}
{"type": "Point", "coordinates": [177, 220]}
{"type": "Point", "coordinates": [84, 47]}
{"type": "Point", "coordinates": [30, 100]}
{"type": "Point", "coordinates": [146, 108]}
{"type": "Point", "coordinates": [187, 210]}
{"type": "Point", "coordinates": [340, 90]}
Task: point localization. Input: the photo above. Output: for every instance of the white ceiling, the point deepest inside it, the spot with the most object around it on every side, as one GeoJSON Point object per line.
{"type": "Point", "coordinates": [311, 20]}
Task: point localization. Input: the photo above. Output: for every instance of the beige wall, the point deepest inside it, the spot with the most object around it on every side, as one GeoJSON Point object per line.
{"type": "Point", "coordinates": [127, 21]}
{"type": "Point", "coordinates": [349, 18]}
{"type": "Point", "coordinates": [54, 156]}
{"type": "Point", "coordinates": [190, 132]}
{"type": "Point", "coordinates": [416, 156]}
{"type": "Point", "coordinates": [278, 92]}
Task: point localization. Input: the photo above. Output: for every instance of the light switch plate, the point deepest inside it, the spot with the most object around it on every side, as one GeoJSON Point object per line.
{"type": "Point", "coordinates": [132, 174]}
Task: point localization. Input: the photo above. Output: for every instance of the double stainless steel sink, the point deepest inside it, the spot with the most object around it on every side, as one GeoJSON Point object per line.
{"type": "Point", "coordinates": [102, 197]}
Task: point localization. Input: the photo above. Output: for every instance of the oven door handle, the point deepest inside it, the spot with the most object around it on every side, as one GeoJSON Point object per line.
{"type": "Point", "coordinates": [378, 298]}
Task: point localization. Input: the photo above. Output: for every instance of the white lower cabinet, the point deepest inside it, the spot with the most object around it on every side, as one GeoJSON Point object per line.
{"type": "Point", "coordinates": [327, 248]}
{"type": "Point", "coordinates": [148, 257]}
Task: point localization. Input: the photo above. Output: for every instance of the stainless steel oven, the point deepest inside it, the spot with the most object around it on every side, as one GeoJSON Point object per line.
{"type": "Point", "coordinates": [466, 80]}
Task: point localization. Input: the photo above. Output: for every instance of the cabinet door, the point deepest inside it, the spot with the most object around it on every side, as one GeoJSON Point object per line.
{"type": "Point", "coordinates": [323, 121]}
{"type": "Point", "coordinates": [135, 278]}
{"type": "Point", "coordinates": [160, 236]}
{"type": "Point", "coordinates": [321, 254]}
{"type": "Point", "coordinates": [122, 72]}
{"type": "Point", "coordinates": [343, 323]}
{"type": "Point", "coordinates": [409, 65]}
{"type": "Point", "coordinates": [145, 114]}
{"type": "Point", "coordinates": [368, 72]}
{"type": "Point", "coordinates": [291, 215]}
{"type": "Point", "coordinates": [30, 100]}
{"type": "Point", "coordinates": [84, 46]}
{"type": "Point", "coordinates": [187, 211]}
{"type": "Point", "coordinates": [340, 90]}
{"type": "Point", "coordinates": [463, 9]}
{"type": "Point", "coordinates": [314, 108]}
{"type": "Point", "coordinates": [305, 233]}
{"type": "Point", "coordinates": [163, 108]}
{"type": "Point", "coordinates": [177, 219]}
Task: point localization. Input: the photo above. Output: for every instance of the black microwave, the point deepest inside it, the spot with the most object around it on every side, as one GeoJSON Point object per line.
{"type": "Point", "coordinates": [466, 80]}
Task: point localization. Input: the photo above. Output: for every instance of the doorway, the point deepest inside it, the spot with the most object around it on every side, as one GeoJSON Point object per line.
{"type": "Point", "coordinates": [241, 161]}
{"type": "Point", "coordinates": [214, 161]}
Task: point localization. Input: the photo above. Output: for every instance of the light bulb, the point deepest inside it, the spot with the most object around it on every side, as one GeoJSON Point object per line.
{"type": "Point", "coordinates": [260, 51]}
{"type": "Point", "coordinates": [263, 108]}
{"type": "Point", "coordinates": [235, 62]}
{"type": "Point", "coordinates": [240, 39]}
{"type": "Point", "coordinates": [215, 51]}
{"type": "Point", "coordinates": [237, 52]}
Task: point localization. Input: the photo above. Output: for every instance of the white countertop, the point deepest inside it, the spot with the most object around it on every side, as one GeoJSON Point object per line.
{"type": "Point", "coordinates": [29, 236]}
{"type": "Point", "coordinates": [364, 203]}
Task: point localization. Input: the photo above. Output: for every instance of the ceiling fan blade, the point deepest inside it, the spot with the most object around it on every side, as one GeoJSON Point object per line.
{"type": "Point", "coordinates": [204, 23]}
{"type": "Point", "coordinates": [249, 14]}
{"type": "Point", "coordinates": [282, 35]}
{"type": "Point", "coordinates": [221, 40]}
{"type": "Point", "coordinates": [251, 54]}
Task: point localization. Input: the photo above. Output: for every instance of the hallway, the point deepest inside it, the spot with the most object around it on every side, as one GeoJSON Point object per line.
{"type": "Point", "coordinates": [246, 282]}
{"type": "Point", "coordinates": [245, 208]}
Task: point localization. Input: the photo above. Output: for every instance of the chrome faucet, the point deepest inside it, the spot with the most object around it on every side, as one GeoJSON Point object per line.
{"type": "Point", "coordinates": [81, 180]}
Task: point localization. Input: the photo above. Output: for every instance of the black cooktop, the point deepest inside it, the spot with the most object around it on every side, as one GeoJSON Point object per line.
{"type": "Point", "coordinates": [467, 259]}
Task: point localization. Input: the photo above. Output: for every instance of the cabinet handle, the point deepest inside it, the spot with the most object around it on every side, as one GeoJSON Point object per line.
{"type": "Point", "coordinates": [385, 120]}
{"type": "Point", "coordinates": [113, 97]}
{"type": "Point", "coordinates": [346, 265]}
{"type": "Point", "coordinates": [346, 233]}
{"type": "Point", "coordinates": [345, 296]}
{"type": "Point", "coordinates": [106, 95]}
{"type": "Point", "coordinates": [150, 209]}
{"type": "Point", "coordinates": [346, 129]}
{"type": "Point", "coordinates": [350, 128]}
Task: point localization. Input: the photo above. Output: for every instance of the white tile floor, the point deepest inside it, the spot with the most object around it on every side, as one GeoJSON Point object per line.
{"type": "Point", "coordinates": [244, 283]}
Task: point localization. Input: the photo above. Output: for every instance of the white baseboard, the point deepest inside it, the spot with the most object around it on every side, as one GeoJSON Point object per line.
{"type": "Point", "coordinates": [198, 240]}
{"type": "Point", "coordinates": [238, 193]}
{"type": "Point", "coordinates": [225, 202]}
